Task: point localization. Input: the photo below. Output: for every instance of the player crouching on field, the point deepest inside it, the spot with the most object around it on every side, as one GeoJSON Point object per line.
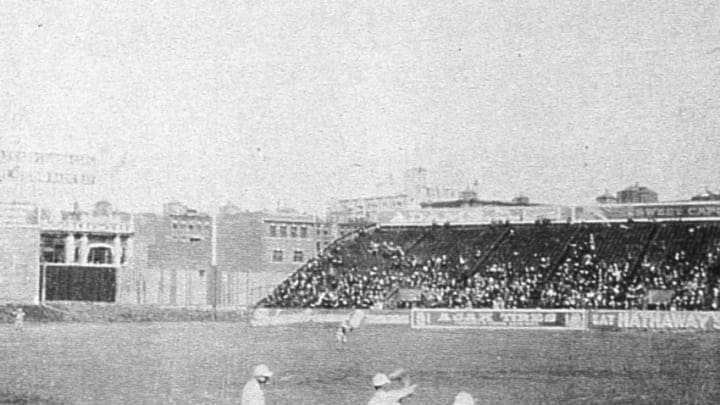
{"type": "Point", "coordinates": [383, 396]}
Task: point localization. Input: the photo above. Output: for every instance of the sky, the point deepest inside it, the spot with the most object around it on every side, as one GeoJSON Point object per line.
{"type": "Point", "coordinates": [297, 103]}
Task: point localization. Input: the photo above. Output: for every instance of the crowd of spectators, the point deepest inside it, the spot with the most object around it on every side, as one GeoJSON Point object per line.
{"type": "Point", "coordinates": [612, 266]}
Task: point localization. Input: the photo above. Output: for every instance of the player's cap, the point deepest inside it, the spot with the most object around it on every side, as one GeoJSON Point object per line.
{"type": "Point", "coordinates": [262, 371]}
{"type": "Point", "coordinates": [380, 379]}
{"type": "Point", "coordinates": [463, 398]}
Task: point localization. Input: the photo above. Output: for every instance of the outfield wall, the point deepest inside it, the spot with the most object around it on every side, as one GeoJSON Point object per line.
{"type": "Point", "coordinates": [528, 319]}
{"type": "Point", "coordinates": [654, 320]}
{"type": "Point", "coordinates": [498, 319]}
{"type": "Point", "coordinates": [273, 316]}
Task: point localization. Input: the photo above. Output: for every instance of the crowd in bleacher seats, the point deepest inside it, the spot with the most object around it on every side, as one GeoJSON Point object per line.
{"type": "Point", "coordinates": [514, 266]}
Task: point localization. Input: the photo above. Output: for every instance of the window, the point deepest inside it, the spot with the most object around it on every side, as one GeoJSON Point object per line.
{"type": "Point", "coordinates": [277, 255]}
{"type": "Point", "coordinates": [298, 256]}
{"type": "Point", "coordinates": [100, 255]}
{"type": "Point", "coordinates": [303, 232]}
{"type": "Point", "coordinates": [272, 230]}
{"type": "Point", "coordinates": [283, 231]}
{"type": "Point", "coordinates": [293, 232]}
{"type": "Point", "coordinates": [53, 249]}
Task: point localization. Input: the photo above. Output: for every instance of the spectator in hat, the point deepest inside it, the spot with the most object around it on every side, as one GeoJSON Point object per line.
{"type": "Point", "coordinates": [252, 393]}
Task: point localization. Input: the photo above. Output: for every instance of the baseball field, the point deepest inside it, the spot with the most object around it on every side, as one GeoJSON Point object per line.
{"type": "Point", "coordinates": [208, 363]}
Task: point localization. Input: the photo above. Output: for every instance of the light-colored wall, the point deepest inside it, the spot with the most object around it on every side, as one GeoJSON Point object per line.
{"type": "Point", "coordinates": [19, 264]}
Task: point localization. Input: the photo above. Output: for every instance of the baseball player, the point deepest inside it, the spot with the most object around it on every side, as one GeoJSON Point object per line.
{"type": "Point", "coordinates": [384, 396]}
{"type": "Point", "coordinates": [343, 330]}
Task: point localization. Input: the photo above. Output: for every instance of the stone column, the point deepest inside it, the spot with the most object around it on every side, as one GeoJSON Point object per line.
{"type": "Point", "coordinates": [129, 244]}
{"type": "Point", "coordinates": [116, 250]}
{"type": "Point", "coordinates": [83, 249]}
{"type": "Point", "coordinates": [69, 248]}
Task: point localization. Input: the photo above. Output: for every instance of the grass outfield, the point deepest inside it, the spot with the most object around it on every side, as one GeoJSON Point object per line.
{"type": "Point", "coordinates": [208, 363]}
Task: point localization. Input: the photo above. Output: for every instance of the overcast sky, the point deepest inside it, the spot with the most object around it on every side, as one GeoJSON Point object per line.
{"type": "Point", "coordinates": [303, 102]}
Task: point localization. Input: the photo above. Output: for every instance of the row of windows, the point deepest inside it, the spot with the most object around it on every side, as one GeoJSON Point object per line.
{"type": "Point", "coordinates": [283, 231]}
{"type": "Point", "coordinates": [278, 256]}
{"type": "Point", "coordinates": [191, 226]}
{"type": "Point", "coordinates": [185, 238]}
{"type": "Point", "coordinates": [373, 205]}
{"type": "Point", "coordinates": [96, 255]}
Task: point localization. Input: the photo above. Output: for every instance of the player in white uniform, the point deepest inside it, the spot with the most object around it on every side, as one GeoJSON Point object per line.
{"type": "Point", "coordinates": [252, 393]}
{"type": "Point", "coordinates": [384, 396]}
{"type": "Point", "coordinates": [343, 330]}
{"type": "Point", "coordinates": [353, 322]}
{"type": "Point", "coordinates": [19, 318]}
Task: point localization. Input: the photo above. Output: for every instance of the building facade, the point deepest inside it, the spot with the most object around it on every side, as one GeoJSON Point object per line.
{"type": "Point", "coordinates": [257, 250]}
{"type": "Point", "coordinates": [73, 255]}
{"type": "Point", "coordinates": [19, 258]}
{"type": "Point", "coordinates": [85, 255]}
{"type": "Point", "coordinates": [606, 198]}
{"type": "Point", "coordinates": [636, 194]}
{"type": "Point", "coordinates": [706, 196]}
{"type": "Point", "coordinates": [412, 193]}
{"type": "Point", "coordinates": [173, 258]}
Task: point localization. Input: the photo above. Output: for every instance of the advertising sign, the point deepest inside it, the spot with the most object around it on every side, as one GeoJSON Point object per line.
{"type": "Point", "coordinates": [498, 319]}
{"type": "Point", "coordinates": [53, 168]}
{"type": "Point", "coordinates": [657, 211]}
{"type": "Point", "coordinates": [470, 216]}
{"type": "Point", "coordinates": [654, 320]}
{"type": "Point", "coordinates": [273, 317]}
{"type": "Point", "coordinates": [17, 214]}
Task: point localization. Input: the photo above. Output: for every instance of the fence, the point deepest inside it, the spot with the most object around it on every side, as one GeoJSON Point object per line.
{"type": "Point", "coordinates": [533, 319]}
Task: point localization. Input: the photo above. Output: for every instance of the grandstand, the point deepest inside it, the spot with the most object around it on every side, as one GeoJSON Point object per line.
{"type": "Point", "coordinates": [600, 265]}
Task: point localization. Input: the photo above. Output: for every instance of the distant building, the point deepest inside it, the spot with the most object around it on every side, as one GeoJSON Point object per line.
{"type": "Point", "coordinates": [414, 192]}
{"type": "Point", "coordinates": [257, 250]}
{"type": "Point", "coordinates": [173, 257]}
{"type": "Point", "coordinates": [84, 255]}
{"type": "Point", "coordinates": [468, 194]}
{"type": "Point", "coordinates": [606, 198]}
{"type": "Point", "coordinates": [365, 210]}
{"type": "Point", "coordinates": [474, 202]}
{"type": "Point", "coordinates": [521, 200]}
{"type": "Point", "coordinates": [636, 194]}
{"type": "Point", "coordinates": [707, 196]}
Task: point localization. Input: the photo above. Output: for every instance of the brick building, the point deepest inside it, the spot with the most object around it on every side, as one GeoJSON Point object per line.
{"type": "Point", "coordinates": [257, 250]}
{"type": "Point", "coordinates": [636, 194]}
{"type": "Point", "coordinates": [173, 258]}
{"type": "Point", "coordinates": [179, 257]}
